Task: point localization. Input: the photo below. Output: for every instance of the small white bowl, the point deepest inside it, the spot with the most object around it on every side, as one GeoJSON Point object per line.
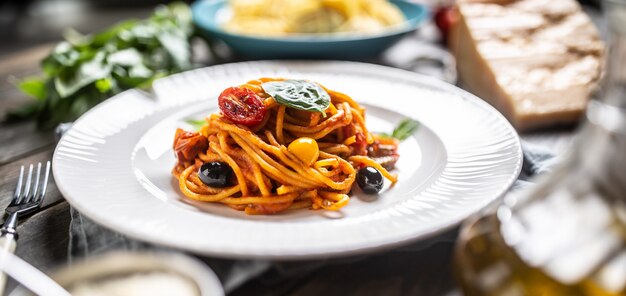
{"type": "Point", "coordinates": [131, 270]}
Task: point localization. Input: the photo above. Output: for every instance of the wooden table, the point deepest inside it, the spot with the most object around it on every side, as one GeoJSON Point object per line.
{"type": "Point", "coordinates": [44, 236]}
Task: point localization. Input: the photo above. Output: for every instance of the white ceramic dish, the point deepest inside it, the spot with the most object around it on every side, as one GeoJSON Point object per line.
{"type": "Point", "coordinates": [114, 165]}
{"type": "Point", "coordinates": [196, 276]}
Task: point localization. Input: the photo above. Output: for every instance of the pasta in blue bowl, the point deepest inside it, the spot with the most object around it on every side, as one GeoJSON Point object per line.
{"type": "Point", "coordinates": [308, 28]}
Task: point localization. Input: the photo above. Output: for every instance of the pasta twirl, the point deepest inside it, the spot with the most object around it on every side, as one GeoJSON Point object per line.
{"type": "Point", "coordinates": [283, 17]}
{"type": "Point", "coordinates": [270, 149]}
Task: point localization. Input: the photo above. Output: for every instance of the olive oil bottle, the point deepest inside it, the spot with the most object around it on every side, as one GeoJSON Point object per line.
{"type": "Point", "coordinates": [567, 236]}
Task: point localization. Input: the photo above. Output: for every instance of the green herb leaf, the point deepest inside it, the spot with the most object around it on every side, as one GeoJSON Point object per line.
{"type": "Point", "coordinates": [34, 87]}
{"type": "Point", "coordinates": [196, 123]}
{"type": "Point", "coordinates": [85, 70]}
{"type": "Point", "coordinates": [112, 33]}
{"type": "Point", "coordinates": [299, 94]}
{"type": "Point", "coordinates": [104, 85]}
{"type": "Point", "coordinates": [87, 73]}
{"type": "Point", "coordinates": [405, 129]}
{"type": "Point", "coordinates": [177, 48]}
{"type": "Point", "coordinates": [384, 135]}
{"type": "Point", "coordinates": [125, 57]}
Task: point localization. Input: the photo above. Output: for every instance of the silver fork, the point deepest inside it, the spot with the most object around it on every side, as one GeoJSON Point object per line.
{"type": "Point", "coordinates": [26, 200]}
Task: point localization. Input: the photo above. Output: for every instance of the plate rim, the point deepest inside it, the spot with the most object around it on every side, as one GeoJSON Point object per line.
{"type": "Point", "coordinates": [308, 255]}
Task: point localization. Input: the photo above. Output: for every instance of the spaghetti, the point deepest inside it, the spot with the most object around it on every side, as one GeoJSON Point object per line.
{"type": "Point", "coordinates": [278, 156]}
{"type": "Point", "coordinates": [289, 17]}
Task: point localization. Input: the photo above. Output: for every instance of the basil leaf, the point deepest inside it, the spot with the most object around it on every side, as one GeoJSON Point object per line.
{"type": "Point", "coordinates": [34, 87]}
{"type": "Point", "coordinates": [89, 72]}
{"type": "Point", "coordinates": [102, 38]}
{"type": "Point", "coordinates": [384, 135]}
{"type": "Point", "coordinates": [125, 57]}
{"type": "Point", "coordinates": [177, 47]}
{"type": "Point", "coordinates": [405, 129]}
{"type": "Point", "coordinates": [299, 94]}
{"type": "Point", "coordinates": [85, 70]}
{"type": "Point", "coordinates": [196, 123]}
{"type": "Point", "coordinates": [104, 85]}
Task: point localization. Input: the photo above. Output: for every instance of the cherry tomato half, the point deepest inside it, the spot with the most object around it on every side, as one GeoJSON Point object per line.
{"type": "Point", "coordinates": [241, 105]}
{"type": "Point", "coordinates": [188, 145]}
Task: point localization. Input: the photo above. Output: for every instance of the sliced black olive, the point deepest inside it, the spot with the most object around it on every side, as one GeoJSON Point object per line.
{"type": "Point", "coordinates": [215, 174]}
{"type": "Point", "coordinates": [370, 180]}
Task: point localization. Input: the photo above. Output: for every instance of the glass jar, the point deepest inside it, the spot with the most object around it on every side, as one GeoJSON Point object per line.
{"type": "Point", "coordinates": [566, 236]}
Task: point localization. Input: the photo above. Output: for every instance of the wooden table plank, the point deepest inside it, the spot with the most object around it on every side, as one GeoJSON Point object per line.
{"type": "Point", "coordinates": [22, 139]}
{"type": "Point", "coordinates": [15, 67]}
{"type": "Point", "coordinates": [25, 62]}
{"type": "Point", "coordinates": [10, 98]}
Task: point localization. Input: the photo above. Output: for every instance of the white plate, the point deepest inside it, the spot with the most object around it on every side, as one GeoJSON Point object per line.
{"type": "Point", "coordinates": [114, 165]}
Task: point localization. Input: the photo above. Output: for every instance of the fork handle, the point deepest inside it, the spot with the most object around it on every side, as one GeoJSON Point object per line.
{"type": "Point", "coordinates": [8, 242]}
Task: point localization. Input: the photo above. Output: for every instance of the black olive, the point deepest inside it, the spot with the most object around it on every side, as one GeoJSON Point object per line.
{"type": "Point", "coordinates": [215, 174]}
{"type": "Point", "coordinates": [370, 180]}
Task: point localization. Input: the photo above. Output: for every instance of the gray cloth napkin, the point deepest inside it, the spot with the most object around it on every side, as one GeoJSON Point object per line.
{"type": "Point", "coordinates": [88, 238]}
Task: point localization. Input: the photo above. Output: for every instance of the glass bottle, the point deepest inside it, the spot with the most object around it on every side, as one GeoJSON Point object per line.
{"type": "Point", "coordinates": [567, 235]}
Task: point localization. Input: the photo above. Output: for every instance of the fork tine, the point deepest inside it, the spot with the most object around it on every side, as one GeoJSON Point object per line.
{"type": "Point", "coordinates": [18, 188]}
{"type": "Point", "coordinates": [44, 185]}
{"type": "Point", "coordinates": [29, 178]}
{"type": "Point", "coordinates": [33, 196]}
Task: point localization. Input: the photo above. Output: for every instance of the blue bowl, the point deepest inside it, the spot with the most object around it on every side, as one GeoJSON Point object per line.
{"type": "Point", "coordinates": [333, 46]}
